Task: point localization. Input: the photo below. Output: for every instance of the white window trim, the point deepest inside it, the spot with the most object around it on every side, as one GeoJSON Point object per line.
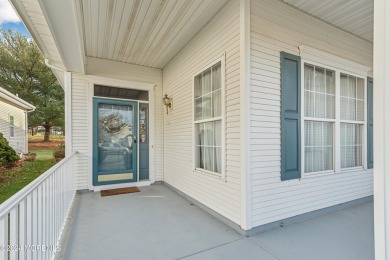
{"type": "Point", "coordinates": [221, 175]}
{"type": "Point", "coordinates": [337, 121]}
{"type": "Point", "coordinates": [13, 126]}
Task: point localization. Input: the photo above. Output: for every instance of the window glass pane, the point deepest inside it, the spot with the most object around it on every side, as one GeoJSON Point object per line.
{"type": "Point", "coordinates": [359, 110]}
{"type": "Point", "coordinates": [309, 103]}
{"type": "Point", "coordinates": [319, 92]}
{"type": "Point", "coordinates": [330, 107]}
{"type": "Point", "coordinates": [105, 91]}
{"type": "Point", "coordinates": [352, 98]}
{"type": "Point", "coordinates": [216, 74]}
{"type": "Point", "coordinates": [206, 82]}
{"type": "Point", "coordinates": [318, 146]}
{"type": "Point", "coordinates": [199, 137]}
{"type": "Point", "coordinates": [217, 133]}
{"type": "Point", "coordinates": [217, 159]}
{"type": "Point", "coordinates": [351, 103]}
{"type": "Point", "coordinates": [344, 85]}
{"type": "Point", "coordinates": [198, 86]}
{"type": "Point", "coordinates": [320, 80]}
{"type": "Point", "coordinates": [352, 87]}
{"type": "Point", "coordinates": [309, 77]}
{"type": "Point", "coordinates": [199, 154]}
{"type": "Point", "coordinates": [11, 120]}
{"type": "Point", "coordinates": [208, 134]}
{"type": "Point", "coordinates": [199, 144]}
{"type": "Point", "coordinates": [360, 89]}
{"type": "Point", "coordinates": [216, 103]}
{"type": "Point", "coordinates": [351, 145]}
{"type": "Point", "coordinates": [320, 105]}
{"type": "Point", "coordinates": [344, 114]}
{"type": "Point", "coordinates": [198, 108]}
{"type": "Point", "coordinates": [330, 82]}
{"type": "Point", "coordinates": [206, 107]}
{"type": "Point", "coordinates": [12, 131]}
{"type": "Point", "coordinates": [208, 159]}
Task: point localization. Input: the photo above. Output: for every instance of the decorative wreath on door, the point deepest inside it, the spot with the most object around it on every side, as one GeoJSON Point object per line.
{"type": "Point", "coordinates": [113, 123]}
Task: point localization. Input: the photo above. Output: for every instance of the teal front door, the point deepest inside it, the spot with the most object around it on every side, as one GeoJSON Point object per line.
{"type": "Point", "coordinates": [114, 141]}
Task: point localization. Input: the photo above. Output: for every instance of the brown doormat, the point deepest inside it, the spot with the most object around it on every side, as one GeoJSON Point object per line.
{"type": "Point", "coordinates": [104, 193]}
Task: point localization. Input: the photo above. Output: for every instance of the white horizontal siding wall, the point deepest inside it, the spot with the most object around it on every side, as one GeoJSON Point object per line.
{"type": "Point", "coordinates": [220, 35]}
{"type": "Point", "coordinates": [277, 27]}
{"type": "Point", "coordinates": [81, 130]}
{"type": "Point", "coordinates": [81, 98]}
{"type": "Point", "coordinates": [18, 142]}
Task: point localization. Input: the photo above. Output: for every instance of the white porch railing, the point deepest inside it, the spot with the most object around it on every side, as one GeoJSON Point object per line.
{"type": "Point", "coordinates": [32, 221]}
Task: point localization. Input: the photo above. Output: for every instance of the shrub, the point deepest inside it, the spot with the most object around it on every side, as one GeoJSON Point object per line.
{"type": "Point", "coordinates": [30, 157]}
{"type": "Point", "coordinates": [59, 153]}
{"type": "Point", "coordinates": [8, 155]}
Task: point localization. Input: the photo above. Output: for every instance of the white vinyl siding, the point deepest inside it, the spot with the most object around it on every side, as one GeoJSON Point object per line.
{"type": "Point", "coordinates": [219, 38]}
{"type": "Point", "coordinates": [80, 130]}
{"type": "Point", "coordinates": [82, 98]}
{"type": "Point", "coordinates": [13, 118]}
{"type": "Point", "coordinates": [277, 27]}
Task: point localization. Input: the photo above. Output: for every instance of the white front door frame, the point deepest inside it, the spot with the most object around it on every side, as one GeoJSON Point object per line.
{"type": "Point", "coordinates": [94, 80]}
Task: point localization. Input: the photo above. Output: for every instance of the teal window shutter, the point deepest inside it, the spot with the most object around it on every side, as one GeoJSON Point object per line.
{"type": "Point", "coordinates": [370, 124]}
{"type": "Point", "coordinates": [290, 116]}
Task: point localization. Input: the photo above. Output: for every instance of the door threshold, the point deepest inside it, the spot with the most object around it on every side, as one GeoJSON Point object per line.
{"type": "Point", "coordinates": [122, 185]}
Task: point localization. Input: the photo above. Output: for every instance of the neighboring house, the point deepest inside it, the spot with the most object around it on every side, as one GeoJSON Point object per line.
{"type": "Point", "coordinates": [272, 100]}
{"type": "Point", "coordinates": [13, 120]}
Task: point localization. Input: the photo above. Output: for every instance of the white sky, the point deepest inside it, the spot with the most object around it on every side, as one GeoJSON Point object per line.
{"type": "Point", "coordinates": [7, 13]}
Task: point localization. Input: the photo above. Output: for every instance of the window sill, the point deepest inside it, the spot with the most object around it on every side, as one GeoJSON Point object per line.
{"type": "Point", "coordinates": [352, 169]}
{"type": "Point", "coordinates": [213, 174]}
{"type": "Point", "coordinates": [317, 174]}
{"type": "Point", "coordinates": [328, 173]}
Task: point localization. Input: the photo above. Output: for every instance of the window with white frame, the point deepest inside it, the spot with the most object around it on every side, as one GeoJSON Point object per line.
{"type": "Point", "coordinates": [320, 117]}
{"type": "Point", "coordinates": [321, 93]}
{"type": "Point", "coordinates": [11, 127]}
{"type": "Point", "coordinates": [352, 120]}
{"type": "Point", "coordinates": [208, 119]}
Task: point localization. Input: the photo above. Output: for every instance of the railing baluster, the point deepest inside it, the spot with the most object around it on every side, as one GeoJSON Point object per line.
{"type": "Point", "coordinates": [51, 211]}
{"type": "Point", "coordinates": [14, 232]}
{"type": "Point", "coordinates": [57, 205]}
{"type": "Point", "coordinates": [22, 228]}
{"type": "Point", "coordinates": [35, 222]}
{"type": "Point", "coordinates": [29, 228]}
{"type": "Point", "coordinates": [44, 208]}
{"type": "Point", "coordinates": [39, 211]}
{"type": "Point", "coordinates": [47, 210]}
{"type": "Point", "coordinates": [4, 237]}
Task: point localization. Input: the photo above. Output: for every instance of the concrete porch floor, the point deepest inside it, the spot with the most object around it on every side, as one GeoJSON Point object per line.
{"type": "Point", "coordinates": [157, 223]}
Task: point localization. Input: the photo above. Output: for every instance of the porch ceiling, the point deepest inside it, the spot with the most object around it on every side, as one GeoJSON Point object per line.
{"type": "Point", "coordinates": [354, 16]}
{"type": "Point", "coordinates": [143, 32]}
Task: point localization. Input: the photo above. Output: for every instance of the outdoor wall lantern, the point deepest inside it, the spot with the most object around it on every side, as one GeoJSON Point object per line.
{"type": "Point", "coordinates": [168, 102]}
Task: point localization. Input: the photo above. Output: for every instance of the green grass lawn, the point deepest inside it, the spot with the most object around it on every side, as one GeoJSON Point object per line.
{"type": "Point", "coordinates": [13, 180]}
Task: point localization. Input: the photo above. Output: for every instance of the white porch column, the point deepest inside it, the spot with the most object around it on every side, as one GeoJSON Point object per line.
{"type": "Point", "coordinates": [68, 112]}
{"type": "Point", "coordinates": [382, 128]}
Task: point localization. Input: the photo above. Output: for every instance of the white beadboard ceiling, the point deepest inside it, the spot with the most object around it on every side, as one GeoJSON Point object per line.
{"type": "Point", "coordinates": [354, 16]}
{"type": "Point", "coordinates": [143, 32]}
